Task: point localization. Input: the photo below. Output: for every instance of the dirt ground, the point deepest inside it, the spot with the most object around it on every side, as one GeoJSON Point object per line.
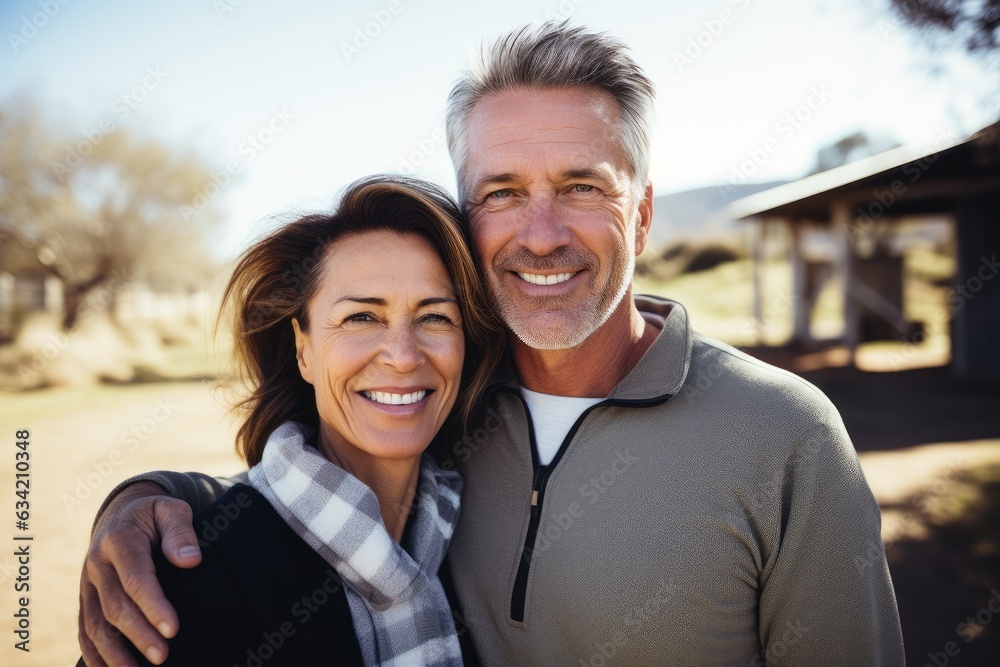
{"type": "Point", "coordinates": [928, 445]}
{"type": "Point", "coordinates": [83, 442]}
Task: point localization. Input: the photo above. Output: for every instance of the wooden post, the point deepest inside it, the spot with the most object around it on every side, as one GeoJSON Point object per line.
{"type": "Point", "coordinates": [844, 232]}
{"type": "Point", "coordinates": [975, 297]}
{"type": "Point", "coordinates": [759, 228]}
{"type": "Point", "coordinates": [800, 293]}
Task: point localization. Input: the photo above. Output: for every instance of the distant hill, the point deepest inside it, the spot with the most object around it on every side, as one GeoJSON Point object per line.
{"type": "Point", "coordinates": [698, 212]}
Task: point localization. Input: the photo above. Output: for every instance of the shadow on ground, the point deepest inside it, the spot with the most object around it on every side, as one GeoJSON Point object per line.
{"type": "Point", "coordinates": [948, 584]}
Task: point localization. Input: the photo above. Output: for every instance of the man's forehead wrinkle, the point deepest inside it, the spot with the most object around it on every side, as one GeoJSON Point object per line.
{"type": "Point", "coordinates": [524, 131]}
{"type": "Point", "coordinates": [483, 117]}
{"type": "Point", "coordinates": [506, 127]}
{"type": "Point", "coordinates": [587, 166]}
{"type": "Point", "coordinates": [546, 142]}
{"type": "Point", "coordinates": [571, 163]}
{"type": "Point", "coordinates": [508, 142]}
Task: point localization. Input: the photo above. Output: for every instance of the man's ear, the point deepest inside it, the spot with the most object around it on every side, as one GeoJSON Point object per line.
{"type": "Point", "coordinates": [302, 351]}
{"type": "Point", "coordinates": [645, 220]}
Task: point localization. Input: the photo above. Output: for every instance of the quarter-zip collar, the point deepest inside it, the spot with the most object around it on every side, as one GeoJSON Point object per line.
{"type": "Point", "coordinates": [661, 371]}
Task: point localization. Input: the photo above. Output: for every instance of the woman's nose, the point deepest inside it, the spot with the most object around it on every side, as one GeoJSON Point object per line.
{"type": "Point", "coordinates": [402, 350]}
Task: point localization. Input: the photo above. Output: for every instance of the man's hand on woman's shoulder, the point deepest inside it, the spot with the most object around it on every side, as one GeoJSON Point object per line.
{"type": "Point", "coordinates": [119, 591]}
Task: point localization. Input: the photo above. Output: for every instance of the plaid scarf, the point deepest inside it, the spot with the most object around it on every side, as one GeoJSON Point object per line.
{"type": "Point", "coordinates": [400, 612]}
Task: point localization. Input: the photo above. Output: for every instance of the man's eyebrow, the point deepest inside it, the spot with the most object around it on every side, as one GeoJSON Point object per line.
{"type": "Point", "coordinates": [379, 301]}
{"type": "Point", "coordinates": [585, 173]}
{"type": "Point", "coordinates": [492, 179]}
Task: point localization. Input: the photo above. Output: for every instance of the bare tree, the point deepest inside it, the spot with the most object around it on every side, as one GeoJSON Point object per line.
{"type": "Point", "coordinates": [975, 22]}
{"type": "Point", "coordinates": [850, 148]}
{"type": "Point", "coordinates": [115, 209]}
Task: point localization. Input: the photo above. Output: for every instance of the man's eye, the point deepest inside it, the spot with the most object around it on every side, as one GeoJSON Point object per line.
{"type": "Point", "coordinates": [583, 188]}
{"type": "Point", "coordinates": [500, 194]}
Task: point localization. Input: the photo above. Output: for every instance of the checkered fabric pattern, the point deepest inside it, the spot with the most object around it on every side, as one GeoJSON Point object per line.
{"type": "Point", "coordinates": [400, 612]}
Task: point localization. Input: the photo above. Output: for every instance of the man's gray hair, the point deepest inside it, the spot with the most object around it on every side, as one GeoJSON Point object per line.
{"type": "Point", "coordinates": [555, 55]}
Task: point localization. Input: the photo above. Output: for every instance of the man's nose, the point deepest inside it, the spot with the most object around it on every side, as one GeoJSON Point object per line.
{"type": "Point", "coordinates": [543, 228]}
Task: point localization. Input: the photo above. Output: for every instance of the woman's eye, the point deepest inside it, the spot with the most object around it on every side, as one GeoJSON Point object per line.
{"type": "Point", "coordinates": [436, 318]}
{"type": "Point", "coordinates": [360, 317]}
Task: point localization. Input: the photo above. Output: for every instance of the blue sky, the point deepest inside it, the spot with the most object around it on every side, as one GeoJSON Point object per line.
{"type": "Point", "coordinates": [300, 100]}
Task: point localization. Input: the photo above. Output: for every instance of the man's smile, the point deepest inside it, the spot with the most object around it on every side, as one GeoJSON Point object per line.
{"type": "Point", "coordinates": [539, 279]}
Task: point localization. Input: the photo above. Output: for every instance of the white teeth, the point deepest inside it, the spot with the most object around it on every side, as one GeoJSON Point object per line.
{"type": "Point", "coordinates": [536, 279]}
{"type": "Point", "coordinates": [395, 399]}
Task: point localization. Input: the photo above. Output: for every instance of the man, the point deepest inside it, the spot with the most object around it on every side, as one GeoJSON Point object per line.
{"type": "Point", "coordinates": [639, 494]}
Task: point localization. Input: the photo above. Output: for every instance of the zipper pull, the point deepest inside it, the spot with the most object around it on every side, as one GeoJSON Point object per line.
{"type": "Point", "coordinates": [536, 484]}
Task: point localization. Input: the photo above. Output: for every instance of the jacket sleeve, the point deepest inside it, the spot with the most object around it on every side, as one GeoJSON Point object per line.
{"type": "Point", "coordinates": [196, 489]}
{"type": "Point", "coordinates": [826, 597]}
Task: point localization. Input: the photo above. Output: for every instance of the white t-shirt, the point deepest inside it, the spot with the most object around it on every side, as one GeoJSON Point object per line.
{"type": "Point", "coordinates": [553, 417]}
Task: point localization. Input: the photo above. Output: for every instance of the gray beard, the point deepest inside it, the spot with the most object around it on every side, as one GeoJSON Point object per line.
{"type": "Point", "coordinates": [596, 313]}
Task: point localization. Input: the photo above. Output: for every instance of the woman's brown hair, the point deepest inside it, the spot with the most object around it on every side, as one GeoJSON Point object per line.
{"type": "Point", "coordinates": [275, 279]}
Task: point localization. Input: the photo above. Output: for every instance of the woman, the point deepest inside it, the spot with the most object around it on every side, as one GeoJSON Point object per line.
{"type": "Point", "coordinates": [353, 330]}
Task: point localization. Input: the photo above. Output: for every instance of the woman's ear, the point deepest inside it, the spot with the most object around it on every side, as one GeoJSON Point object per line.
{"type": "Point", "coordinates": [302, 351]}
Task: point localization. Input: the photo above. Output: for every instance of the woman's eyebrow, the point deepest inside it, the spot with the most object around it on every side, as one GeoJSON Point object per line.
{"type": "Point", "coordinates": [436, 299]}
{"type": "Point", "coordinates": [372, 300]}
{"type": "Point", "coordinates": [379, 301]}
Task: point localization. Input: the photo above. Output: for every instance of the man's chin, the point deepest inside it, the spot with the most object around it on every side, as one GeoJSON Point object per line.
{"type": "Point", "coordinates": [550, 331]}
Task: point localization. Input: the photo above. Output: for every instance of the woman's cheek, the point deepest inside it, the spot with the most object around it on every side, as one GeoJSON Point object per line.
{"type": "Point", "coordinates": [449, 349]}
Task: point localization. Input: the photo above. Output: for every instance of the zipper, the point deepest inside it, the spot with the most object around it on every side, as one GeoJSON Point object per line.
{"type": "Point", "coordinates": [539, 482]}
{"type": "Point", "coordinates": [521, 581]}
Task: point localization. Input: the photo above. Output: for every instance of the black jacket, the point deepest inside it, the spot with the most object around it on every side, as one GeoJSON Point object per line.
{"type": "Point", "coordinates": [261, 596]}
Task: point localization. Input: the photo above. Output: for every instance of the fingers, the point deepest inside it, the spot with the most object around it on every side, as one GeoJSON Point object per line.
{"type": "Point", "coordinates": [116, 614]}
{"type": "Point", "coordinates": [100, 641]}
{"type": "Point", "coordinates": [132, 563]}
{"type": "Point", "coordinates": [133, 566]}
{"type": "Point", "coordinates": [139, 608]}
{"type": "Point", "coordinates": [174, 523]}
{"type": "Point", "coordinates": [91, 656]}
{"type": "Point", "coordinates": [119, 591]}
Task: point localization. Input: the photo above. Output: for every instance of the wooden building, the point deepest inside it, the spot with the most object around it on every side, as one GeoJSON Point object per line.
{"type": "Point", "coordinates": [857, 204]}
